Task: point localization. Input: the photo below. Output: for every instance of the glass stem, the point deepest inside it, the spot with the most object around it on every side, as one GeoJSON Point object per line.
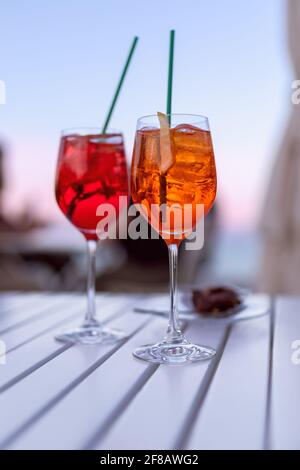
{"type": "Point", "coordinates": [173, 332]}
{"type": "Point", "coordinates": [90, 318]}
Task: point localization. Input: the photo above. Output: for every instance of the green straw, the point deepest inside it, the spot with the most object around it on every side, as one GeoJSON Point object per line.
{"type": "Point", "coordinates": [163, 179]}
{"type": "Point", "coordinates": [117, 92]}
{"type": "Point", "coordinates": [170, 74]}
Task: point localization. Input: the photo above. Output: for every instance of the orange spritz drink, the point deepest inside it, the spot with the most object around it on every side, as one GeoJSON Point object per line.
{"type": "Point", "coordinates": [174, 183]}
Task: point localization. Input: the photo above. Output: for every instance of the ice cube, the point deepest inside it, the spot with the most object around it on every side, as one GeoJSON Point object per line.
{"type": "Point", "coordinates": [191, 142]}
{"type": "Point", "coordinates": [112, 139]}
{"type": "Point", "coordinates": [186, 129]}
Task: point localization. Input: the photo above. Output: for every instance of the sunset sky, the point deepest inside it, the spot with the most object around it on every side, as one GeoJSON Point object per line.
{"type": "Point", "coordinates": [61, 60]}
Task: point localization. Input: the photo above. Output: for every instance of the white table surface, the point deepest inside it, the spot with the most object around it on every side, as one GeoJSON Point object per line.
{"type": "Point", "coordinates": [55, 396]}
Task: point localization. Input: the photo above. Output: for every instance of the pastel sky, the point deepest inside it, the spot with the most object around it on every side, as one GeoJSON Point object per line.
{"type": "Point", "coordinates": [61, 60]}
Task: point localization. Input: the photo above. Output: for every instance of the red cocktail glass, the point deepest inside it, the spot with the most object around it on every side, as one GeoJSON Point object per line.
{"type": "Point", "coordinates": [91, 171]}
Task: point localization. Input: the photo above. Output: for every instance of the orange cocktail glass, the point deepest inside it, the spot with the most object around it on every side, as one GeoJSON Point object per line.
{"type": "Point", "coordinates": [173, 168]}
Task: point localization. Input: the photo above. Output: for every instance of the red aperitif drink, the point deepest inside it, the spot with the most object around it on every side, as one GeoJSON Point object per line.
{"type": "Point", "coordinates": [91, 179]}
{"type": "Point", "coordinates": [91, 171]}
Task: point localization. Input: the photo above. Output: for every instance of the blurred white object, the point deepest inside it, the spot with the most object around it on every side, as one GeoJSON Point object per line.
{"type": "Point", "coordinates": [281, 216]}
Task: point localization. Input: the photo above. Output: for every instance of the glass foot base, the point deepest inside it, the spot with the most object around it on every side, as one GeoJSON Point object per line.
{"type": "Point", "coordinates": [94, 334]}
{"type": "Point", "coordinates": [181, 353]}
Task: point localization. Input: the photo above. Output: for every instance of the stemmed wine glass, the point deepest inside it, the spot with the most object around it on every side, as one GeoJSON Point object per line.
{"type": "Point", "coordinates": [91, 171]}
{"type": "Point", "coordinates": [173, 166]}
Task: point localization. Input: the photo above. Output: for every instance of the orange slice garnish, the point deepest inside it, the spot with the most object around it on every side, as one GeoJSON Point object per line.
{"type": "Point", "coordinates": [167, 151]}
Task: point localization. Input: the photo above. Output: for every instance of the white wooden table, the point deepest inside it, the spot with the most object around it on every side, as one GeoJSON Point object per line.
{"type": "Point", "coordinates": [55, 396]}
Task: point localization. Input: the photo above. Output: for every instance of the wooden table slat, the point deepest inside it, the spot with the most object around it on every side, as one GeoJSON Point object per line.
{"type": "Point", "coordinates": [234, 411]}
{"type": "Point", "coordinates": [26, 359]}
{"type": "Point", "coordinates": [90, 406]}
{"type": "Point", "coordinates": [72, 306]}
{"type": "Point", "coordinates": [25, 314]}
{"type": "Point", "coordinates": [285, 389]}
{"type": "Point", "coordinates": [157, 414]}
{"type": "Point", "coordinates": [72, 397]}
{"type": "Point", "coordinates": [34, 395]}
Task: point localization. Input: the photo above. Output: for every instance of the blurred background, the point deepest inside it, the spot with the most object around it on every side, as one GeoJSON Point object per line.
{"type": "Point", "coordinates": [60, 62]}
